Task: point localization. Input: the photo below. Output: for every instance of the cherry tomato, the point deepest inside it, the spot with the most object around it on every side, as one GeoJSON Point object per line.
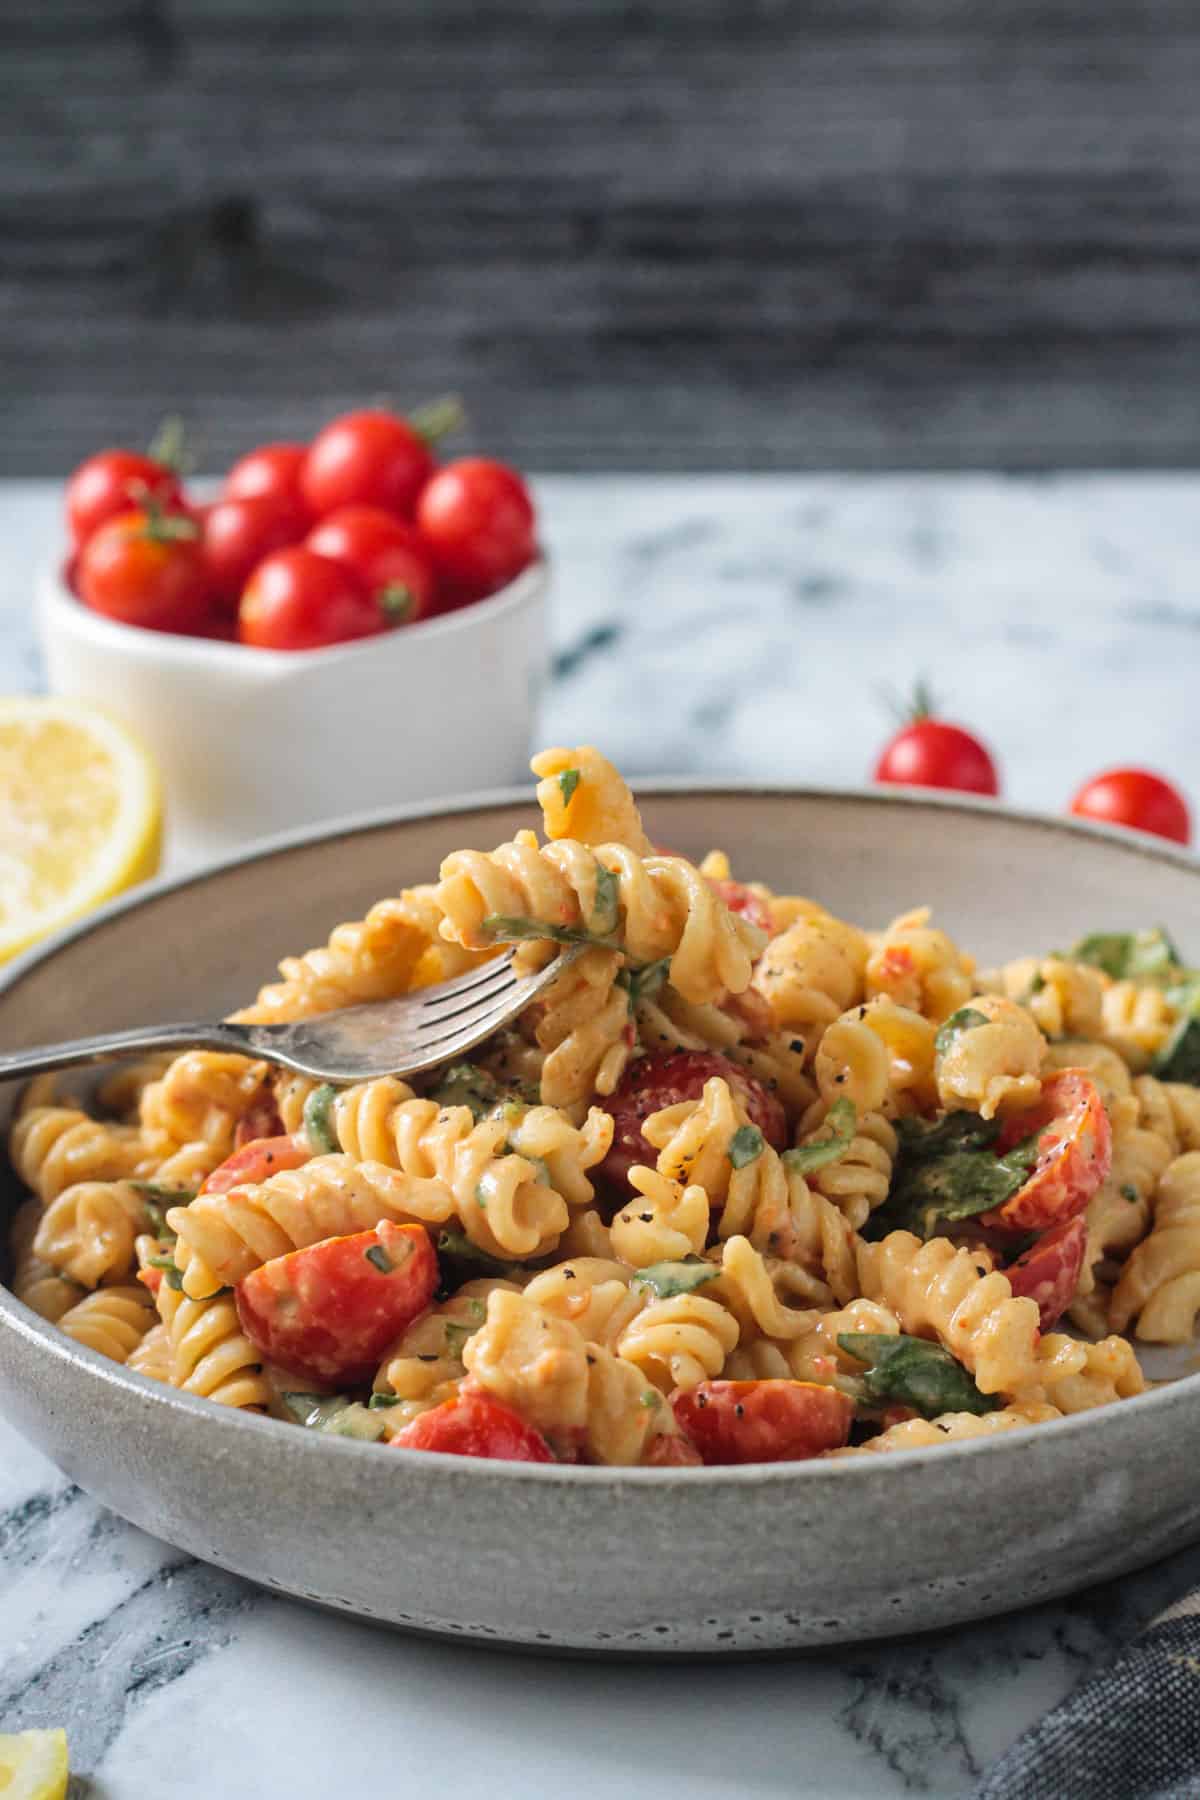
{"type": "Point", "coordinates": [329, 1312]}
{"type": "Point", "coordinates": [146, 568]}
{"type": "Point", "coordinates": [1048, 1272]}
{"type": "Point", "coordinates": [1138, 799]}
{"type": "Point", "coordinates": [370, 458]}
{"type": "Point", "coordinates": [763, 1421]}
{"type": "Point", "coordinates": [262, 1121]}
{"type": "Point", "coordinates": [473, 1424]}
{"type": "Point", "coordinates": [653, 1082]}
{"type": "Point", "coordinates": [272, 472]}
{"type": "Point", "coordinates": [296, 600]}
{"type": "Point", "coordinates": [257, 1161]}
{"type": "Point", "coordinates": [1074, 1154]}
{"type": "Point", "coordinates": [239, 533]}
{"type": "Point", "coordinates": [743, 900]}
{"type": "Point", "coordinates": [151, 1278]}
{"type": "Point", "coordinates": [477, 519]}
{"type": "Point", "coordinates": [677, 1452]}
{"type": "Point", "coordinates": [385, 554]}
{"type": "Point", "coordinates": [931, 753]}
{"type": "Point", "coordinates": [112, 482]}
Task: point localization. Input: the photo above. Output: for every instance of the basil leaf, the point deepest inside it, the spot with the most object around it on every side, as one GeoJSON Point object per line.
{"type": "Point", "coordinates": [515, 928]}
{"type": "Point", "coordinates": [841, 1119]}
{"type": "Point", "coordinates": [957, 1131]}
{"type": "Point", "coordinates": [461, 1260]}
{"type": "Point", "coordinates": [379, 1256]}
{"type": "Point", "coordinates": [666, 1279]}
{"type": "Point", "coordinates": [914, 1372]}
{"type": "Point", "coordinates": [644, 983]}
{"type": "Point", "coordinates": [378, 1401]}
{"type": "Point", "coordinates": [746, 1145]}
{"type": "Point", "coordinates": [1128, 955]}
{"type": "Point", "coordinates": [965, 1019]}
{"type": "Point", "coordinates": [153, 1191]}
{"type": "Point", "coordinates": [172, 1273]}
{"type": "Point", "coordinates": [318, 1124]}
{"type": "Point", "coordinates": [465, 1084]}
{"type": "Point", "coordinates": [1179, 1058]}
{"type": "Point", "coordinates": [568, 781]}
{"type": "Point", "coordinates": [607, 913]}
{"type": "Point", "coordinates": [928, 1191]}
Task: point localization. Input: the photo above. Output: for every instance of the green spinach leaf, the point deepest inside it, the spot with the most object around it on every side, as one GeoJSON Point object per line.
{"type": "Point", "coordinates": [666, 1279]}
{"type": "Point", "coordinates": [841, 1120]}
{"type": "Point", "coordinates": [913, 1372]}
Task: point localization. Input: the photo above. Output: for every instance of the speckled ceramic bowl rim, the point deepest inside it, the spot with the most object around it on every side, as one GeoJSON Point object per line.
{"type": "Point", "coordinates": [179, 647]}
{"type": "Point", "coordinates": [19, 1318]}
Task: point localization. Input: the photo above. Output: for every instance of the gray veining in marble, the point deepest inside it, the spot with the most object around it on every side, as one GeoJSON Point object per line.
{"type": "Point", "coordinates": [732, 625]}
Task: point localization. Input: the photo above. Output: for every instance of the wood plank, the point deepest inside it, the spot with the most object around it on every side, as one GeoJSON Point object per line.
{"type": "Point", "coordinates": [678, 235]}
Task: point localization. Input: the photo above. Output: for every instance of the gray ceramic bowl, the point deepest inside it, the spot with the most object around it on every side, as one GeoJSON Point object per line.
{"type": "Point", "coordinates": [644, 1561]}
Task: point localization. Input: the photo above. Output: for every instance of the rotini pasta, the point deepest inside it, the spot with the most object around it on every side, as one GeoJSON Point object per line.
{"type": "Point", "coordinates": [112, 1321]}
{"type": "Point", "coordinates": [653, 907]}
{"type": "Point", "coordinates": [591, 1241]}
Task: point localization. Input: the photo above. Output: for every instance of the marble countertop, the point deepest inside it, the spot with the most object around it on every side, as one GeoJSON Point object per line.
{"type": "Point", "coordinates": [732, 625]}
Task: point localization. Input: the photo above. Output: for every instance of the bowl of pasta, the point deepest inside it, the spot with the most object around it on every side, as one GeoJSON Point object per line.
{"type": "Point", "coordinates": [795, 1270]}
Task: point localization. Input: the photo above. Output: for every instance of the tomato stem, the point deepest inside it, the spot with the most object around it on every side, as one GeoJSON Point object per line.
{"type": "Point", "coordinates": [163, 527]}
{"type": "Point", "coordinates": [169, 445]}
{"type": "Point", "coordinates": [396, 600]}
{"type": "Point", "coordinates": [438, 418]}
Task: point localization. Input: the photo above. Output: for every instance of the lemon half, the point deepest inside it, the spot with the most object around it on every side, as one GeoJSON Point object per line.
{"type": "Point", "coordinates": [80, 816]}
{"type": "Point", "coordinates": [33, 1765]}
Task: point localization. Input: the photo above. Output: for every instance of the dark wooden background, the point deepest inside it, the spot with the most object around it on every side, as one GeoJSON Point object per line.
{"type": "Point", "coordinates": [666, 233]}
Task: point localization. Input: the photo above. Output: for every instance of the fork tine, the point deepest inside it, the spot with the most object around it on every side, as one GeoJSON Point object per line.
{"type": "Point", "coordinates": [481, 988]}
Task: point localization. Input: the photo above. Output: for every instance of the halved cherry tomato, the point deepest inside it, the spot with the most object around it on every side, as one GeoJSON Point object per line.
{"type": "Point", "coordinates": [1048, 1271]}
{"type": "Point", "coordinates": [473, 1424]}
{"type": "Point", "coordinates": [272, 472]}
{"type": "Point", "coordinates": [147, 569]}
{"type": "Point", "coordinates": [385, 554]}
{"type": "Point", "coordinates": [328, 1312]}
{"type": "Point", "coordinates": [151, 1278]}
{"type": "Point", "coordinates": [932, 753]}
{"type": "Point", "coordinates": [114, 482]}
{"type": "Point", "coordinates": [296, 600]}
{"type": "Point", "coordinates": [477, 519]}
{"type": "Point", "coordinates": [368, 458]}
{"type": "Point", "coordinates": [258, 1161]}
{"type": "Point", "coordinates": [239, 532]}
{"type": "Point", "coordinates": [262, 1121]}
{"type": "Point", "coordinates": [1136, 798]}
{"type": "Point", "coordinates": [763, 1421]}
{"type": "Point", "coordinates": [676, 1452]}
{"type": "Point", "coordinates": [1074, 1154]}
{"type": "Point", "coordinates": [741, 899]}
{"type": "Point", "coordinates": [654, 1082]}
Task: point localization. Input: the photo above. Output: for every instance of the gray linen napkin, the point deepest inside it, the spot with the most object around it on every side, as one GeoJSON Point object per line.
{"type": "Point", "coordinates": [1129, 1732]}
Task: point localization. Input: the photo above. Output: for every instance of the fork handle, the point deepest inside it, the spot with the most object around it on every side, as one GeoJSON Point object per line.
{"type": "Point", "coordinates": [38, 1059]}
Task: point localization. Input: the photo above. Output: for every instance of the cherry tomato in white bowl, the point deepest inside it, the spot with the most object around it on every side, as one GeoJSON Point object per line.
{"type": "Point", "coordinates": [385, 554]}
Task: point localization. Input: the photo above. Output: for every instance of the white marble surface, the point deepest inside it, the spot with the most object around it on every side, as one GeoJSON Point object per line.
{"type": "Point", "coordinates": [732, 625]}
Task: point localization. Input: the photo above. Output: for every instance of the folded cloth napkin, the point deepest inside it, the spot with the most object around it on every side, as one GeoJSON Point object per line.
{"type": "Point", "coordinates": [1131, 1732]}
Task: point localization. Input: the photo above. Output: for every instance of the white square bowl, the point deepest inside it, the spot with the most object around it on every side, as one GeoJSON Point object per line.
{"type": "Point", "coordinates": [253, 742]}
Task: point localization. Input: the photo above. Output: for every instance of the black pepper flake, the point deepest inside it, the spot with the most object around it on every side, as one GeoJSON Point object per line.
{"type": "Point", "coordinates": [569, 1275]}
{"type": "Point", "coordinates": [701, 1400]}
{"type": "Point", "coordinates": [591, 1360]}
{"type": "Point", "coordinates": [739, 1411]}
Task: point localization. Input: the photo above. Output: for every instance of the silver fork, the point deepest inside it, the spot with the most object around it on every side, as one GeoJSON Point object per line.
{"type": "Point", "coordinates": [388, 1037]}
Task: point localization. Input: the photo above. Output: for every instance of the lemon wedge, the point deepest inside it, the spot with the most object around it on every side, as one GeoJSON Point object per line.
{"type": "Point", "coordinates": [80, 816]}
{"type": "Point", "coordinates": [33, 1765]}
